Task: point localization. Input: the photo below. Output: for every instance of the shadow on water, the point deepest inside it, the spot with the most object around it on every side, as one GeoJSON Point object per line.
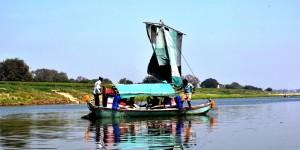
{"type": "Point", "coordinates": [146, 133]}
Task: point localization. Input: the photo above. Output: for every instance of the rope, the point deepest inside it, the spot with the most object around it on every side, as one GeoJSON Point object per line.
{"type": "Point", "coordinates": [188, 64]}
{"type": "Point", "coordinates": [192, 72]}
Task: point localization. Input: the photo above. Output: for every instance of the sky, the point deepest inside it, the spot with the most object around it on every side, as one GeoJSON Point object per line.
{"type": "Point", "coordinates": [251, 42]}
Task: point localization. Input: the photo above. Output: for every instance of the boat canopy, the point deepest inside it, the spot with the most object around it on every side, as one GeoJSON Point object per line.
{"type": "Point", "coordinates": [153, 89]}
{"type": "Point", "coordinates": [165, 63]}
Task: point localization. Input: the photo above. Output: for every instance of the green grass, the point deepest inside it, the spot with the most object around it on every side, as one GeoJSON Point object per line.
{"type": "Point", "coordinates": [35, 93]}
{"type": "Point", "coordinates": [39, 93]}
{"type": "Point", "coordinates": [204, 93]}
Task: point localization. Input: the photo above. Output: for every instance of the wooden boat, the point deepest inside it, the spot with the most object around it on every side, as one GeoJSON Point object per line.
{"type": "Point", "coordinates": [103, 112]}
{"type": "Point", "coordinates": [205, 119]}
{"type": "Point", "coordinates": [165, 65]}
{"type": "Point", "coordinates": [158, 89]}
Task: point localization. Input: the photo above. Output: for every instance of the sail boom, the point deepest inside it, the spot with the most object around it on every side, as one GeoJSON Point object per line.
{"type": "Point", "coordinates": [160, 24]}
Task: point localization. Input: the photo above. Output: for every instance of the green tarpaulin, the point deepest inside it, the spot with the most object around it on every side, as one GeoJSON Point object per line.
{"type": "Point", "coordinates": [165, 64]}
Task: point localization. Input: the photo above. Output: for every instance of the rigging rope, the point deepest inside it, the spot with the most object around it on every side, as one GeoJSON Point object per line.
{"type": "Point", "coordinates": [188, 64]}
{"type": "Point", "coordinates": [192, 72]}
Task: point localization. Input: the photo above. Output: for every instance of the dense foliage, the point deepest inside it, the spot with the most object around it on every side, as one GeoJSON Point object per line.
{"type": "Point", "coordinates": [49, 75]}
{"type": "Point", "coordinates": [14, 70]}
{"type": "Point", "coordinates": [250, 87]}
{"type": "Point", "coordinates": [192, 79]}
{"type": "Point", "coordinates": [209, 83]}
{"type": "Point", "coordinates": [107, 81]}
{"type": "Point", "coordinates": [125, 81]}
{"type": "Point", "coordinates": [234, 85]}
{"type": "Point", "coordinates": [151, 79]}
{"type": "Point", "coordinates": [269, 89]}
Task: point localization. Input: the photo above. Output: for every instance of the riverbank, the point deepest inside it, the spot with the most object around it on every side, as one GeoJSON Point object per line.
{"type": "Point", "coordinates": [49, 93]}
{"type": "Point", "coordinates": [42, 93]}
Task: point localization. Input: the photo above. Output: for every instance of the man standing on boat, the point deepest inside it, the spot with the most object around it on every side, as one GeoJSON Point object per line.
{"type": "Point", "coordinates": [188, 90]}
{"type": "Point", "coordinates": [97, 91]}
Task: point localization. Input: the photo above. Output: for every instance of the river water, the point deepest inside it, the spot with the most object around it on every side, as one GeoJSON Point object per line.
{"type": "Point", "coordinates": [255, 123]}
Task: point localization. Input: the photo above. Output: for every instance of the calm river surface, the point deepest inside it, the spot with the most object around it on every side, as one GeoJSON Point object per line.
{"type": "Point", "coordinates": [235, 124]}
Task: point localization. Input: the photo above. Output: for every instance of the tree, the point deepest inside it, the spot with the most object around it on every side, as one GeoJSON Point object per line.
{"type": "Point", "coordinates": [82, 79]}
{"type": "Point", "coordinates": [43, 75]}
{"type": "Point", "coordinates": [250, 87]}
{"type": "Point", "coordinates": [269, 89]}
{"type": "Point", "coordinates": [151, 79]}
{"type": "Point", "coordinates": [49, 75]}
{"type": "Point", "coordinates": [125, 81]}
{"type": "Point", "coordinates": [106, 81]}
{"type": "Point", "coordinates": [192, 79]}
{"type": "Point", "coordinates": [234, 85]}
{"type": "Point", "coordinates": [14, 70]}
{"type": "Point", "coordinates": [60, 77]}
{"type": "Point", "coordinates": [209, 83]}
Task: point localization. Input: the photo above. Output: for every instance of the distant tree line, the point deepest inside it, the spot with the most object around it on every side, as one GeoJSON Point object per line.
{"type": "Point", "coordinates": [16, 69]}
{"type": "Point", "coordinates": [49, 75]}
{"type": "Point", "coordinates": [213, 83]}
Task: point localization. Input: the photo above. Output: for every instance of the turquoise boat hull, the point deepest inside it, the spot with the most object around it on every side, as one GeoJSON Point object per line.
{"type": "Point", "coordinates": [103, 112]}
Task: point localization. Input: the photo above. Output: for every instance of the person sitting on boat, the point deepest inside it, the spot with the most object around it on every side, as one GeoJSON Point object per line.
{"type": "Point", "coordinates": [152, 102]}
{"type": "Point", "coordinates": [97, 91]}
{"type": "Point", "coordinates": [168, 102]}
{"type": "Point", "coordinates": [188, 90]}
{"type": "Point", "coordinates": [131, 103]}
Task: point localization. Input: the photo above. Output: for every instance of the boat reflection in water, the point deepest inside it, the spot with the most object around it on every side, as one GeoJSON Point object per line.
{"type": "Point", "coordinates": [150, 133]}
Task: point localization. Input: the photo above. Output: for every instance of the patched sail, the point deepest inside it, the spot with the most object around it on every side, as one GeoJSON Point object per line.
{"type": "Point", "coordinates": [165, 63]}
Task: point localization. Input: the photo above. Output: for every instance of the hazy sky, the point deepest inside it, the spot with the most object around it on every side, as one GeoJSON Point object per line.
{"type": "Point", "coordinates": [254, 42]}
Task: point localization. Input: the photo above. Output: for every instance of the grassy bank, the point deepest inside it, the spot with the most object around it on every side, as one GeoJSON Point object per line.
{"type": "Point", "coordinates": [203, 93]}
{"type": "Point", "coordinates": [41, 93]}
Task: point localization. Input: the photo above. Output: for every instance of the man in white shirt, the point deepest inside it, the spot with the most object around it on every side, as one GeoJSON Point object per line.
{"type": "Point", "coordinates": [97, 91]}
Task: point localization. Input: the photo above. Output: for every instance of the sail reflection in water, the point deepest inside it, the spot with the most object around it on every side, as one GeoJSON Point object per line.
{"type": "Point", "coordinates": [151, 133]}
